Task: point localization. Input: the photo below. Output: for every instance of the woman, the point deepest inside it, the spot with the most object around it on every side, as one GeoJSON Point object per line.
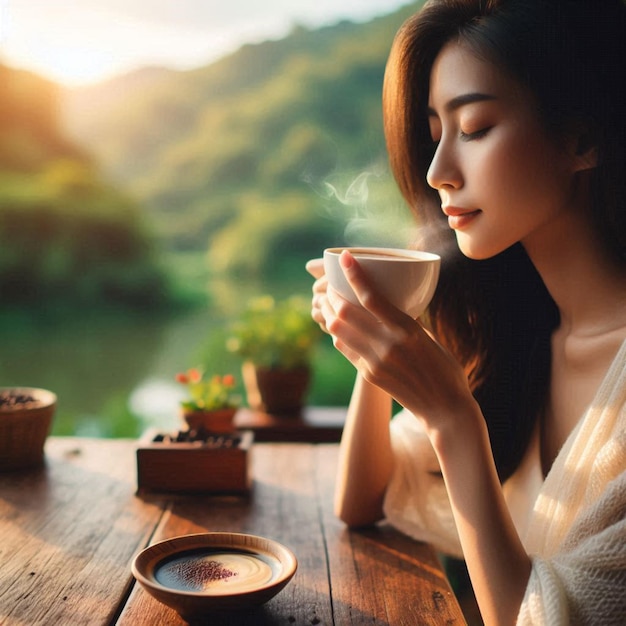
{"type": "Point", "coordinates": [504, 122]}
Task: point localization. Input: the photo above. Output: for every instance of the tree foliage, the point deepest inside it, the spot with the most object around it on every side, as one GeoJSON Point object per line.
{"type": "Point", "coordinates": [235, 157]}
{"type": "Point", "coordinates": [67, 239]}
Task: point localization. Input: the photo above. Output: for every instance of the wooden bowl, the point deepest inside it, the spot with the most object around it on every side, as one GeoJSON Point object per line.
{"type": "Point", "coordinates": [214, 572]}
{"type": "Point", "coordinates": [24, 428]}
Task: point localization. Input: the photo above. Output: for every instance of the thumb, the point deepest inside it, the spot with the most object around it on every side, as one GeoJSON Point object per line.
{"type": "Point", "coordinates": [315, 267]}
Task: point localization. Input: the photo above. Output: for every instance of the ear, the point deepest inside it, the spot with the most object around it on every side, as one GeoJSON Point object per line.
{"type": "Point", "coordinates": [585, 150]}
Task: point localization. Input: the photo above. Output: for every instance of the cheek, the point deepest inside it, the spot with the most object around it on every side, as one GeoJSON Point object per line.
{"type": "Point", "coordinates": [511, 163]}
{"type": "Point", "coordinates": [519, 173]}
{"type": "Point", "coordinates": [508, 192]}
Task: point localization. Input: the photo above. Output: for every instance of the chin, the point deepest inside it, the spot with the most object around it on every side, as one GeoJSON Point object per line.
{"type": "Point", "coordinates": [476, 251]}
{"type": "Point", "coordinates": [479, 253]}
{"type": "Point", "coordinates": [473, 252]}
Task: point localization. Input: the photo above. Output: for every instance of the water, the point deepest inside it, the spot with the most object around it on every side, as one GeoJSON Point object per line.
{"type": "Point", "coordinates": [114, 375]}
{"type": "Point", "coordinates": [113, 378]}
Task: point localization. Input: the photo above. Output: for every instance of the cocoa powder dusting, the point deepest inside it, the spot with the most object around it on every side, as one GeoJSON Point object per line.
{"type": "Point", "coordinates": [201, 572]}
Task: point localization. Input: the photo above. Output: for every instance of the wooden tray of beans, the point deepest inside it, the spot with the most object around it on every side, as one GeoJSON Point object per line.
{"type": "Point", "coordinates": [194, 462]}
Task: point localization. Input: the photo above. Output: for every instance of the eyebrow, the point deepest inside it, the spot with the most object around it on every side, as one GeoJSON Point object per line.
{"type": "Point", "coordinates": [459, 101]}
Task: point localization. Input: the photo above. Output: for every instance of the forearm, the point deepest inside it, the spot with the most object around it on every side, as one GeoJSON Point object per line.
{"type": "Point", "coordinates": [396, 354]}
{"type": "Point", "coordinates": [497, 562]}
{"type": "Point", "coordinates": [365, 460]}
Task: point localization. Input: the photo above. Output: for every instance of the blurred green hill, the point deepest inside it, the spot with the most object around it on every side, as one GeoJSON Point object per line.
{"type": "Point", "coordinates": [130, 194]}
{"type": "Point", "coordinates": [30, 135]}
{"type": "Point", "coordinates": [239, 158]}
{"type": "Point", "coordinates": [68, 239]}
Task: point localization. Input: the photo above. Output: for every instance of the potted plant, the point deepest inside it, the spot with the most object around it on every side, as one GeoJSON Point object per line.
{"type": "Point", "coordinates": [212, 401]}
{"type": "Point", "coordinates": [276, 340]}
{"type": "Point", "coordinates": [26, 415]}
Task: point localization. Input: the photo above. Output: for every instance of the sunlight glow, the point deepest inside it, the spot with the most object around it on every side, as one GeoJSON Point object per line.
{"type": "Point", "coordinates": [83, 42]}
{"type": "Point", "coordinates": [96, 42]}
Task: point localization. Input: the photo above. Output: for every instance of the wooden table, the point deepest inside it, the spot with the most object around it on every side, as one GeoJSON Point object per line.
{"type": "Point", "coordinates": [69, 531]}
{"type": "Point", "coordinates": [312, 425]}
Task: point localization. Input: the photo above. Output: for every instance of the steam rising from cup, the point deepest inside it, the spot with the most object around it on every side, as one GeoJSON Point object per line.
{"type": "Point", "coordinates": [371, 208]}
{"type": "Point", "coordinates": [375, 214]}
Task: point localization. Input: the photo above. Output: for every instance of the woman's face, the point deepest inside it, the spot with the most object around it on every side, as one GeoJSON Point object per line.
{"type": "Point", "coordinates": [500, 176]}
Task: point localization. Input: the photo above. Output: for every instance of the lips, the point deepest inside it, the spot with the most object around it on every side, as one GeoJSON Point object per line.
{"type": "Point", "coordinates": [459, 218]}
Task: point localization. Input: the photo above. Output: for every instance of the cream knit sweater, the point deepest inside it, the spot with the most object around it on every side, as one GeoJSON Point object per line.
{"type": "Point", "coordinates": [573, 523]}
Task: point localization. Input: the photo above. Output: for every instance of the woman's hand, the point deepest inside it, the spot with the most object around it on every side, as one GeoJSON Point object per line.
{"type": "Point", "coordinates": [315, 267]}
{"type": "Point", "coordinates": [393, 351]}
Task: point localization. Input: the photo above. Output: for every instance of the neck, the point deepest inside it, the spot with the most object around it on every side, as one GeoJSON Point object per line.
{"type": "Point", "coordinates": [589, 290]}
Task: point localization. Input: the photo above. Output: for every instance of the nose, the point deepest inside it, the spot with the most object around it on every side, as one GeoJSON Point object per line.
{"type": "Point", "coordinates": [444, 170]}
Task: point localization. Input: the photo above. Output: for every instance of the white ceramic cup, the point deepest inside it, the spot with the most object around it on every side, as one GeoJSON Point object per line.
{"type": "Point", "coordinates": [407, 278]}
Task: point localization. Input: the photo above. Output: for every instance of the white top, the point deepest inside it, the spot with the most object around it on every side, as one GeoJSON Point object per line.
{"type": "Point", "coordinates": [573, 523]}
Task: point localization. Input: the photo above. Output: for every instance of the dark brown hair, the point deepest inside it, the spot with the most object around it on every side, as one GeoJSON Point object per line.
{"type": "Point", "coordinates": [496, 315]}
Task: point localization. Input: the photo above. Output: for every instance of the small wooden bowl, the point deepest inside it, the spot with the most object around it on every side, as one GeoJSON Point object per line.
{"type": "Point", "coordinates": [211, 572]}
{"type": "Point", "coordinates": [24, 429]}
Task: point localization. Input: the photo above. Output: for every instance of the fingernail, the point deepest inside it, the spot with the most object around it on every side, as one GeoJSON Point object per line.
{"type": "Point", "coordinates": [346, 259]}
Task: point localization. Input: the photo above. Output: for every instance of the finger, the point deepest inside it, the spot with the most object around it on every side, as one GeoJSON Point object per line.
{"type": "Point", "coordinates": [316, 308]}
{"type": "Point", "coordinates": [319, 295]}
{"type": "Point", "coordinates": [315, 267]}
{"type": "Point", "coordinates": [352, 314]}
{"type": "Point", "coordinates": [318, 318]}
{"type": "Point", "coordinates": [355, 330]}
{"type": "Point", "coordinates": [320, 286]}
{"type": "Point", "coordinates": [367, 294]}
{"type": "Point", "coordinates": [337, 328]}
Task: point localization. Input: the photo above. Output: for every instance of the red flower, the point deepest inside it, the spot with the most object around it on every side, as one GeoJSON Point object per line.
{"type": "Point", "coordinates": [213, 392]}
{"type": "Point", "coordinates": [194, 374]}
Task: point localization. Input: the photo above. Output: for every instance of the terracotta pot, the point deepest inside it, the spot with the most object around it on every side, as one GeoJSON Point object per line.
{"type": "Point", "coordinates": [24, 429]}
{"type": "Point", "coordinates": [276, 391]}
{"type": "Point", "coordinates": [214, 421]}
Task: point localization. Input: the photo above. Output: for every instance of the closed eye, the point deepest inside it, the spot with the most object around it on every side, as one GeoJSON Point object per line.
{"type": "Point", "coordinates": [478, 134]}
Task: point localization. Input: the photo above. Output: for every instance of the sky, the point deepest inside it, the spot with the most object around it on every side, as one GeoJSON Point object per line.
{"type": "Point", "coordinates": [76, 42]}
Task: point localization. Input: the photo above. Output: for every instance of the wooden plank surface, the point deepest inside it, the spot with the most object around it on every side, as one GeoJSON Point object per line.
{"type": "Point", "coordinates": [376, 576]}
{"type": "Point", "coordinates": [283, 506]}
{"type": "Point", "coordinates": [380, 576]}
{"type": "Point", "coordinates": [69, 532]}
{"type": "Point", "coordinates": [312, 425]}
